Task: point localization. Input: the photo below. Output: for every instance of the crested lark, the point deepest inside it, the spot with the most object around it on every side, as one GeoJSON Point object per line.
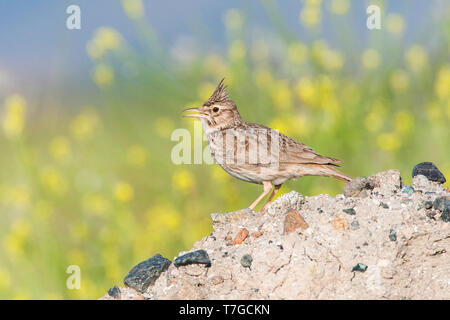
{"type": "Point", "coordinates": [255, 153]}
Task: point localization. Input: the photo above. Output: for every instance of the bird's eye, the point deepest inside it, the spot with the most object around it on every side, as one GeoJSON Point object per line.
{"type": "Point", "coordinates": [215, 109]}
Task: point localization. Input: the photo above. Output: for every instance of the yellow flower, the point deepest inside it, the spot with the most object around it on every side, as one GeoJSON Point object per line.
{"type": "Point", "coordinates": [137, 156]}
{"type": "Point", "coordinates": [280, 125]}
{"type": "Point", "coordinates": [306, 90]}
{"type": "Point", "coordinates": [163, 217]}
{"type": "Point", "coordinates": [234, 19]}
{"type": "Point", "coordinates": [84, 125]}
{"type": "Point", "coordinates": [123, 192]}
{"type": "Point", "coordinates": [388, 141]}
{"type": "Point", "coordinates": [327, 98]}
{"type": "Point", "coordinates": [53, 181]}
{"type": "Point", "coordinates": [297, 53]}
{"type": "Point", "coordinates": [95, 203]}
{"type": "Point", "coordinates": [16, 238]}
{"type": "Point", "coordinates": [263, 78]}
{"type": "Point", "coordinates": [310, 16]}
{"type": "Point", "coordinates": [403, 122]}
{"type": "Point", "coordinates": [183, 181]}
{"type": "Point", "coordinates": [281, 95]}
{"type": "Point", "coordinates": [14, 119]}
{"type": "Point", "coordinates": [339, 7]}
{"type": "Point", "coordinates": [399, 80]}
{"type": "Point", "coordinates": [104, 40]}
{"type": "Point", "coordinates": [442, 84]}
{"type": "Point", "coordinates": [134, 9]}
{"type": "Point", "coordinates": [237, 50]}
{"type": "Point", "coordinates": [373, 121]}
{"type": "Point", "coordinates": [103, 75]}
{"type": "Point", "coordinates": [371, 59]}
{"type": "Point", "coordinates": [60, 148]}
{"type": "Point", "coordinates": [332, 60]}
{"type": "Point", "coordinates": [416, 57]}
{"type": "Point", "coordinates": [395, 23]}
{"type": "Point", "coordinates": [292, 125]}
{"type": "Point", "coordinates": [164, 126]}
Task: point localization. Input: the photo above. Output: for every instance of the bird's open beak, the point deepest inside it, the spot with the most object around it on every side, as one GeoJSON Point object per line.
{"type": "Point", "coordinates": [198, 114]}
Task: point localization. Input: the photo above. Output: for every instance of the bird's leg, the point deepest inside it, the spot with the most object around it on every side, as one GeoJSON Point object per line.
{"type": "Point", "coordinates": [267, 186]}
{"type": "Point", "coordinates": [274, 192]}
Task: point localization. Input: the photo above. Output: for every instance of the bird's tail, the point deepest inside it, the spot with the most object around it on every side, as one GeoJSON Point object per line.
{"type": "Point", "coordinates": [326, 170]}
{"type": "Point", "coordinates": [337, 174]}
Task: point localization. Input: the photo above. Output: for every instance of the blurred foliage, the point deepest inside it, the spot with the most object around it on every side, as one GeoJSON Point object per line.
{"type": "Point", "coordinates": [96, 187]}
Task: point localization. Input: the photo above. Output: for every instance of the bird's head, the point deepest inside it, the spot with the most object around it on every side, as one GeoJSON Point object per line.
{"type": "Point", "coordinates": [218, 112]}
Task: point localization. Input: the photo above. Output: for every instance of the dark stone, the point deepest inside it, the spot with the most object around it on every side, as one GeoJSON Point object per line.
{"type": "Point", "coordinates": [429, 170]}
{"type": "Point", "coordinates": [196, 257]}
{"type": "Point", "coordinates": [114, 292]}
{"type": "Point", "coordinates": [146, 273]}
{"type": "Point", "coordinates": [361, 267]}
{"type": "Point", "coordinates": [246, 261]}
{"type": "Point", "coordinates": [384, 205]}
{"type": "Point", "coordinates": [392, 235]}
{"type": "Point", "coordinates": [350, 211]}
{"type": "Point", "coordinates": [408, 190]}
{"type": "Point", "coordinates": [445, 215]}
{"type": "Point", "coordinates": [441, 203]}
{"type": "Point", "coordinates": [428, 205]}
{"type": "Point", "coordinates": [355, 225]}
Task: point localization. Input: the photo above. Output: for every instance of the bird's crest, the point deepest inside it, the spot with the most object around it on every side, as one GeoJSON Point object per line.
{"type": "Point", "coordinates": [219, 95]}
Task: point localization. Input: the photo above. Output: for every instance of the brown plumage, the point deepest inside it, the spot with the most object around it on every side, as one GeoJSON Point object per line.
{"type": "Point", "coordinates": [255, 153]}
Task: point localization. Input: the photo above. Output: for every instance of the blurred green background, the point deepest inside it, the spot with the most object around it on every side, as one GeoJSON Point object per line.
{"type": "Point", "coordinates": [86, 176]}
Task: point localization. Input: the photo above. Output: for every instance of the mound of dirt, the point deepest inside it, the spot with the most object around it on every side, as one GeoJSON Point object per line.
{"type": "Point", "coordinates": [378, 240]}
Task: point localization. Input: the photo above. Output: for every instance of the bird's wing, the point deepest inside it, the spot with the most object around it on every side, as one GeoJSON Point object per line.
{"type": "Point", "coordinates": [285, 151]}
{"type": "Point", "coordinates": [292, 151]}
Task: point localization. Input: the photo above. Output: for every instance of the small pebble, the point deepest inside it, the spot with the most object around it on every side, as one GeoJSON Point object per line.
{"type": "Point", "coordinates": [392, 235]}
{"type": "Point", "coordinates": [441, 203]}
{"type": "Point", "coordinates": [408, 190]}
{"type": "Point", "coordinates": [240, 237]}
{"type": "Point", "coordinates": [357, 187]}
{"type": "Point", "coordinates": [384, 205]}
{"type": "Point", "coordinates": [355, 225]}
{"type": "Point", "coordinates": [428, 205]}
{"type": "Point", "coordinates": [114, 292]}
{"type": "Point", "coordinates": [246, 261]}
{"type": "Point", "coordinates": [361, 267]}
{"type": "Point", "coordinates": [196, 257]}
{"type": "Point", "coordinates": [445, 216]}
{"type": "Point", "coordinates": [350, 211]}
